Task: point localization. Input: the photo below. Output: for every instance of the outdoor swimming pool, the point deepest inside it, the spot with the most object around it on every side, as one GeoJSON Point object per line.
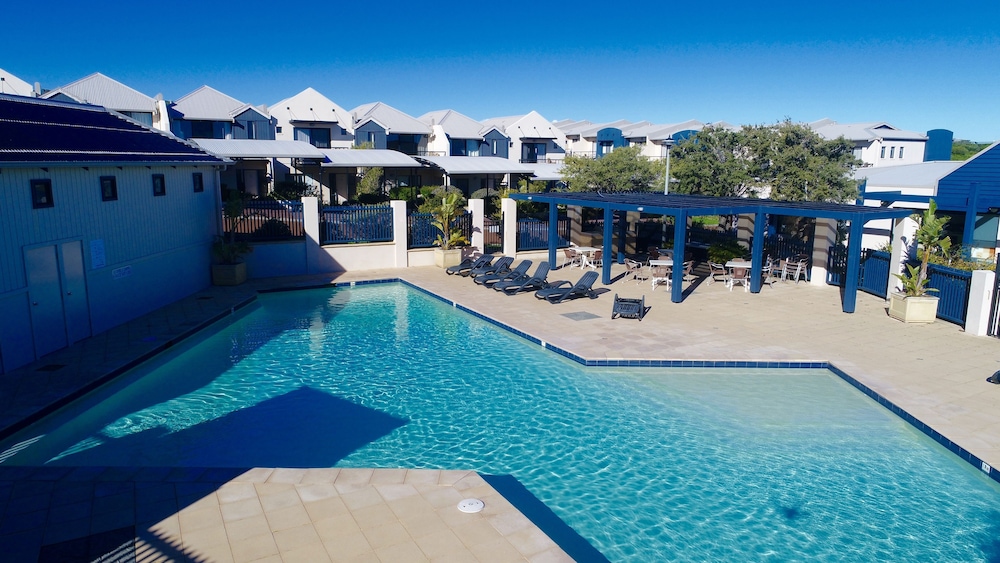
{"type": "Point", "coordinates": [646, 464]}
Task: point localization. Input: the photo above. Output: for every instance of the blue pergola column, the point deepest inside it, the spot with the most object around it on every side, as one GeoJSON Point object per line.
{"type": "Point", "coordinates": [853, 264]}
{"type": "Point", "coordinates": [609, 223]}
{"type": "Point", "coordinates": [553, 233]}
{"type": "Point", "coordinates": [622, 236]}
{"type": "Point", "coordinates": [757, 252]}
{"type": "Point", "coordinates": [680, 241]}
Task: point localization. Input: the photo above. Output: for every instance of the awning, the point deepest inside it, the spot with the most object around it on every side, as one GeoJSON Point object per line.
{"type": "Point", "coordinates": [259, 148]}
{"type": "Point", "coordinates": [475, 165]}
{"type": "Point", "coordinates": [548, 172]}
{"type": "Point", "coordinates": [366, 158]}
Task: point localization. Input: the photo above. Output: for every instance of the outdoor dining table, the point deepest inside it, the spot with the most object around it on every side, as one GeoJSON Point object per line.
{"type": "Point", "coordinates": [586, 254]}
{"type": "Point", "coordinates": [659, 262]}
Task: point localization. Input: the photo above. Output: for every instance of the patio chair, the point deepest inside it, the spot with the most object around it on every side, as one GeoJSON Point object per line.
{"type": "Point", "coordinates": [493, 277]}
{"type": "Point", "coordinates": [525, 283]}
{"type": "Point", "coordinates": [597, 261]}
{"type": "Point", "coordinates": [503, 263]}
{"type": "Point", "coordinates": [741, 275]}
{"type": "Point", "coordinates": [469, 264]}
{"type": "Point", "coordinates": [558, 291]}
{"type": "Point", "coordinates": [653, 253]}
{"type": "Point", "coordinates": [633, 269]}
{"type": "Point", "coordinates": [717, 272]}
{"type": "Point", "coordinates": [794, 268]}
{"type": "Point", "coordinates": [661, 275]}
{"type": "Point", "coordinates": [688, 275]}
{"type": "Point", "coordinates": [570, 257]}
{"type": "Point", "coordinates": [628, 307]}
{"type": "Point", "coordinates": [768, 272]}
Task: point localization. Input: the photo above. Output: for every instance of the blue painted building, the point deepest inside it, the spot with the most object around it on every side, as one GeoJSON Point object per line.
{"type": "Point", "coordinates": [207, 113]}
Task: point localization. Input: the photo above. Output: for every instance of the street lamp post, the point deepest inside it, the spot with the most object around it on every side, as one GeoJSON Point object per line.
{"type": "Point", "coordinates": [668, 142]}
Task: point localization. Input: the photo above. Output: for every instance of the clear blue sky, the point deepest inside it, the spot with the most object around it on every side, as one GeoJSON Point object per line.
{"type": "Point", "coordinates": [918, 65]}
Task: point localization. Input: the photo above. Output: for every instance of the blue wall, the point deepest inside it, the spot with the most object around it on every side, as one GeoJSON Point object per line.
{"type": "Point", "coordinates": [502, 142]}
{"type": "Point", "coordinates": [361, 134]}
{"type": "Point", "coordinates": [973, 189]}
{"type": "Point", "coordinates": [938, 145]}
{"type": "Point", "coordinates": [611, 135]}
{"type": "Point", "coordinates": [263, 127]}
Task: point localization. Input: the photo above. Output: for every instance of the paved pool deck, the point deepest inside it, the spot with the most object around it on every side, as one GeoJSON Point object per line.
{"type": "Point", "coordinates": [936, 373]}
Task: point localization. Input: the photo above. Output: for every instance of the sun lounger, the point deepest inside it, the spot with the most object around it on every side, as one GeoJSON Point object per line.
{"type": "Point", "coordinates": [503, 263]}
{"type": "Point", "coordinates": [525, 282]}
{"type": "Point", "coordinates": [628, 307]}
{"type": "Point", "coordinates": [558, 291]}
{"type": "Point", "coordinates": [493, 277]}
{"type": "Point", "coordinates": [469, 264]}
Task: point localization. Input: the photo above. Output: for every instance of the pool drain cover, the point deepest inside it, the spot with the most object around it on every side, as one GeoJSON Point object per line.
{"type": "Point", "coordinates": [471, 505]}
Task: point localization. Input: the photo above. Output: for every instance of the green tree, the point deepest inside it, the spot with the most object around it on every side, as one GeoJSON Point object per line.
{"type": "Point", "coordinates": [624, 169]}
{"type": "Point", "coordinates": [371, 181]}
{"type": "Point", "coordinates": [964, 150]}
{"type": "Point", "coordinates": [715, 161]}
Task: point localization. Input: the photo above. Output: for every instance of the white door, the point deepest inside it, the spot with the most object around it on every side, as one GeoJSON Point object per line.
{"type": "Point", "coordinates": [45, 297]}
{"type": "Point", "coordinates": [74, 285]}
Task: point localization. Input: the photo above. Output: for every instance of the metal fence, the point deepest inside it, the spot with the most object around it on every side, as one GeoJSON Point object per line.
{"type": "Point", "coordinates": [952, 291]}
{"type": "Point", "coordinates": [421, 232]}
{"type": "Point", "coordinates": [356, 224]}
{"type": "Point", "coordinates": [493, 235]}
{"type": "Point", "coordinates": [268, 220]}
{"type": "Point", "coordinates": [533, 234]}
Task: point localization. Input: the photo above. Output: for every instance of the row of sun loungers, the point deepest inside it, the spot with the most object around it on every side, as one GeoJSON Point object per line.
{"type": "Point", "coordinates": [502, 277]}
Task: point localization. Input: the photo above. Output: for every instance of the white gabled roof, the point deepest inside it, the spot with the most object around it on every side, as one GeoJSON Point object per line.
{"type": "Point", "coordinates": [258, 148]}
{"type": "Point", "coordinates": [454, 124]}
{"type": "Point", "coordinates": [660, 132]}
{"type": "Point", "coordinates": [922, 175]}
{"type": "Point", "coordinates": [10, 84]}
{"type": "Point", "coordinates": [476, 165]}
{"type": "Point", "coordinates": [349, 158]}
{"type": "Point", "coordinates": [311, 106]}
{"type": "Point", "coordinates": [390, 118]}
{"type": "Point", "coordinates": [207, 103]}
{"type": "Point", "coordinates": [529, 126]}
{"type": "Point", "coordinates": [869, 131]}
{"type": "Point", "coordinates": [100, 90]}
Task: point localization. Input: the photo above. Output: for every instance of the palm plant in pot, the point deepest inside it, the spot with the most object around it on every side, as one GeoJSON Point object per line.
{"type": "Point", "coordinates": [443, 217]}
{"type": "Point", "coordinates": [913, 304]}
{"type": "Point", "coordinates": [229, 267]}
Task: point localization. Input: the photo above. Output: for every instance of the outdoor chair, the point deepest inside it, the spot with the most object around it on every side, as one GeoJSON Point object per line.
{"type": "Point", "coordinates": [717, 272]}
{"type": "Point", "coordinates": [653, 253]}
{"type": "Point", "coordinates": [597, 261]}
{"type": "Point", "coordinates": [633, 270]}
{"type": "Point", "coordinates": [503, 263]}
{"type": "Point", "coordinates": [525, 283]}
{"type": "Point", "coordinates": [570, 257]}
{"type": "Point", "coordinates": [740, 275]}
{"type": "Point", "coordinates": [795, 269]}
{"type": "Point", "coordinates": [628, 307]}
{"type": "Point", "coordinates": [493, 277]}
{"type": "Point", "coordinates": [767, 273]}
{"type": "Point", "coordinates": [661, 275]}
{"type": "Point", "coordinates": [688, 275]}
{"type": "Point", "coordinates": [468, 264]}
{"type": "Point", "coordinates": [557, 292]}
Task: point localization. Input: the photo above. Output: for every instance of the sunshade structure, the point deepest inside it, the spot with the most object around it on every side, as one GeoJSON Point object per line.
{"type": "Point", "coordinates": [680, 207]}
{"type": "Point", "coordinates": [367, 158]}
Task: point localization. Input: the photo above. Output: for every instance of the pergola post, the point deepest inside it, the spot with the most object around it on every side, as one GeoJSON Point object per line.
{"type": "Point", "coordinates": [680, 241]}
{"type": "Point", "coordinates": [609, 222]}
{"type": "Point", "coordinates": [553, 232]}
{"type": "Point", "coordinates": [757, 252]}
{"type": "Point", "coordinates": [853, 264]}
{"type": "Point", "coordinates": [622, 235]}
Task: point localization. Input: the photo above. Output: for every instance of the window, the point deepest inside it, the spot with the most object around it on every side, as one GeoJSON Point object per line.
{"type": "Point", "coordinates": [41, 194]}
{"type": "Point", "coordinates": [882, 154]}
{"type": "Point", "coordinates": [198, 181]}
{"type": "Point", "coordinates": [277, 129]}
{"type": "Point", "coordinates": [900, 152]}
{"type": "Point", "coordinates": [495, 148]}
{"type": "Point", "coordinates": [317, 137]}
{"type": "Point", "coordinates": [202, 130]}
{"type": "Point", "coordinates": [251, 129]}
{"type": "Point", "coordinates": [109, 188]}
{"type": "Point", "coordinates": [159, 185]}
{"type": "Point", "coordinates": [892, 152]}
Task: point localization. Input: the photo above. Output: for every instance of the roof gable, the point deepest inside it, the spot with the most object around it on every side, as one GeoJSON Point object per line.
{"type": "Point", "coordinates": [311, 107]}
{"type": "Point", "coordinates": [207, 103]}
{"type": "Point", "coordinates": [454, 124]}
{"type": "Point", "coordinates": [10, 84]}
{"type": "Point", "coordinates": [529, 126]}
{"type": "Point", "coordinates": [100, 90]}
{"type": "Point", "coordinates": [391, 119]}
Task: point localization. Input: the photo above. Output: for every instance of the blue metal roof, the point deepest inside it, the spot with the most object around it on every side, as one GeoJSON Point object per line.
{"type": "Point", "coordinates": [46, 132]}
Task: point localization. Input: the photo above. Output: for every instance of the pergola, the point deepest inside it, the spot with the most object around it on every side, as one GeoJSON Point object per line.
{"type": "Point", "coordinates": [680, 207]}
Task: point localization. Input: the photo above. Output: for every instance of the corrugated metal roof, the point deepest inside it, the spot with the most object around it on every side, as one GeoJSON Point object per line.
{"type": "Point", "coordinates": [311, 106]}
{"type": "Point", "coordinates": [922, 175]}
{"type": "Point", "coordinates": [547, 172]}
{"type": "Point", "coordinates": [100, 90]}
{"type": "Point", "coordinates": [348, 158]}
{"type": "Point", "coordinates": [455, 125]}
{"type": "Point", "coordinates": [10, 84]}
{"type": "Point", "coordinates": [207, 103]}
{"type": "Point", "coordinates": [869, 131]}
{"type": "Point", "coordinates": [659, 132]}
{"type": "Point", "coordinates": [393, 120]}
{"type": "Point", "coordinates": [529, 126]}
{"type": "Point", "coordinates": [476, 165]}
{"type": "Point", "coordinates": [259, 148]}
{"type": "Point", "coordinates": [46, 132]}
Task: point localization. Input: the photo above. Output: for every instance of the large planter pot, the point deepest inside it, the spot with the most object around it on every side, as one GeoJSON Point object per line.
{"type": "Point", "coordinates": [447, 258]}
{"type": "Point", "coordinates": [921, 309]}
{"type": "Point", "coordinates": [229, 274]}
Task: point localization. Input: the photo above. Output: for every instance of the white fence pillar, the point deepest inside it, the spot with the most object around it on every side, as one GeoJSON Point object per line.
{"type": "Point", "coordinates": [310, 223]}
{"type": "Point", "coordinates": [977, 316]}
{"type": "Point", "coordinates": [478, 209]}
{"type": "Point", "coordinates": [825, 237]}
{"type": "Point", "coordinates": [896, 256]}
{"type": "Point", "coordinates": [508, 207]}
{"type": "Point", "coordinates": [744, 229]}
{"type": "Point", "coordinates": [399, 234]}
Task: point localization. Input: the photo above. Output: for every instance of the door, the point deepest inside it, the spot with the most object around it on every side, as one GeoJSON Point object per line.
{"type": "Point", "coordinates": [74, 285]}
{"type": "Point", "coordinates": [45, 296]}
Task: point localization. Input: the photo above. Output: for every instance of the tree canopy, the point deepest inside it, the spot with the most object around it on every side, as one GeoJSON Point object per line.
{"type": "Point", "coordinates": [624, 169]}
{"type": "Point", "coordinates": [784, 161]}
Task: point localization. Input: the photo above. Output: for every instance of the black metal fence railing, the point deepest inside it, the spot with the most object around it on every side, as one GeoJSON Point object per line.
{"type": "Point", "coordinates": [533, 234]}
{"type": "Point", "coordinates": [421, 232]}
{"type": "Point", "coordinates": [356, 224]}
{"type": "Point", "coordinates": [492, 236]}
{"type": "Point", "coordinates": [266, 220]}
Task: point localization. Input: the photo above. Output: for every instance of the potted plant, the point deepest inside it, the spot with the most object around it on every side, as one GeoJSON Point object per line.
{"type": "Point", "coordinates": [229, 267]}
{"type": "Point", "coordinates": [913, 304]}
{"type": "Point", "coordinates": [443, 217]}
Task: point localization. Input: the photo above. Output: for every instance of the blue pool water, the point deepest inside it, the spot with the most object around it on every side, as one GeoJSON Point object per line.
{"type": "Point", "coordinates": [645, 464]}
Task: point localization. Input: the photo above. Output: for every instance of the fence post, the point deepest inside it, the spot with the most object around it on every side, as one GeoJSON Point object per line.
{"type": "Point", "coordinates": [824, 238]}
{"type": "Point", "coordinates": [896, 256]}
{"type": "Point", "coordinates": [744, 229]}
{"type": "Point", "coordinates": [399, 233]}
{"type": "Point", "coordinates": [478, 209]}
{"type": "Point", "coordinates": [310, 224]}
{"type": "Point", "coordinates": [508, 208]}
{"type": "Point", "coordinates": [977, 315]}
